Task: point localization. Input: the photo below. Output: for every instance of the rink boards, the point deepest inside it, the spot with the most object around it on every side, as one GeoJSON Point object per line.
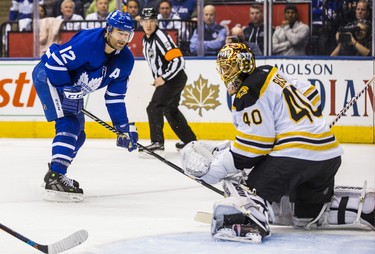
{"type": "Point", "coordinates": [204, 101]}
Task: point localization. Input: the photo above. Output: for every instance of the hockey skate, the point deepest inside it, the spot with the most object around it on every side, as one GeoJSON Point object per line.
{"type": "Point", "coordinates": [179, 145]}
{"type": "Point", "coordinates": [75, 183]}
{"type": "Point", "coordinates": [60, 188]}
{"type": "Point", "coordinates": [249, 233]}
{"type": "Point", "coordinates": [156, 147]}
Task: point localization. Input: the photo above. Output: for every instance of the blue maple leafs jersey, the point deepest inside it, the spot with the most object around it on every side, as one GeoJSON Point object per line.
{"type": "Point", "coordinates": [83, 62]}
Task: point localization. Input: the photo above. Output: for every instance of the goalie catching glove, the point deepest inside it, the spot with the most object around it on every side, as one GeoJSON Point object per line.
{"type": "Point", "coordinates": [127, 137]}
{"type": "Point", "coordinates": [206, 162]}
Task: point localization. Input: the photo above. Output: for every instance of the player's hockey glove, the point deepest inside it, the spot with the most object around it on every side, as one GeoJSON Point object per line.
{"type": "Point", "coordinates": [128, 136]}
{"type": "Point", "coordinates": [72, 102]}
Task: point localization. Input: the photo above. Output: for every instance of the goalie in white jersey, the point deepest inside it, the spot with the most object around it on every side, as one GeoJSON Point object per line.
{"type": "Point", "coordinates": [281, 135]}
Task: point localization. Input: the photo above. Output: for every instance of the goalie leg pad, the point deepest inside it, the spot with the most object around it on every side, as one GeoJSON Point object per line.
{"type": "Point", "coordinates": [350, 208]}
{"type": "Point", "coordinates": [237, 219]}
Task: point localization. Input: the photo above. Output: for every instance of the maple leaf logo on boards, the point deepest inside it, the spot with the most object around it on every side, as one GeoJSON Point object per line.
{"type": "Point", "coordinates": [201, 96]}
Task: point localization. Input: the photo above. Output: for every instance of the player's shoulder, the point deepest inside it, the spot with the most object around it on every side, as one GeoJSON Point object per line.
{"type": "Point", "coordinates": [252, 88]}
{"type": "Point", "coordinates": [259, 77]}
{"type": "Point", "coordinates": [124, 60]}
{"type": "Point", "coordinates": [88, 39]}
{"type": "Point", "coordinates": [125, 55]}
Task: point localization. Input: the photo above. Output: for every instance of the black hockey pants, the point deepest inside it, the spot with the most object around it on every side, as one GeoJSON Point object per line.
{"type": "Point", "coordinates": [309, 184]}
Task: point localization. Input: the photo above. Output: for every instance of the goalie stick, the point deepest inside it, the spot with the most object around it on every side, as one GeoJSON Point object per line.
{"type": "Point", "coordinates": [174, 166]}
{"type": "Point", "coordinates": [352, 101]}
{"type": "Point", "coordinates": [65, 244]}
{"type": "Point", "coordinates": [109, 127]}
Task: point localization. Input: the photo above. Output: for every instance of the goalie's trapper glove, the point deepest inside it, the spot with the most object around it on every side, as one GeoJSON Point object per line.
{"type": "Point", "coordinates": [128, 136]}
{"type": "Point", "coordinates": [196, 159]}
{"type": "Point", "coordinates": [72, 102]}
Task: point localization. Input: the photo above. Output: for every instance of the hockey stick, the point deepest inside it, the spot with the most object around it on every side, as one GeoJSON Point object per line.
{"type": "Point", "coordinates": [65, 244]}
{"type": "Point", "coordinates": [174, 166]}
{"type": "Point", "coordinates": [352, 101]}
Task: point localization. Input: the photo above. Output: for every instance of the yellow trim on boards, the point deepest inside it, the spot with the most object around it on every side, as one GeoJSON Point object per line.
{"type": "Point", "coordinates": [204, 131]}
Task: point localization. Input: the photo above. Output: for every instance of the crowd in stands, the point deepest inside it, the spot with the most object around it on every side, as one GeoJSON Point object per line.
{"type": "Point", "coordinates": [338, 27]}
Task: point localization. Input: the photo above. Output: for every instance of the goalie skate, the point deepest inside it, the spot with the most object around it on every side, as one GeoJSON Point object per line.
{"type": "Point", "coordinates": [240, 233]}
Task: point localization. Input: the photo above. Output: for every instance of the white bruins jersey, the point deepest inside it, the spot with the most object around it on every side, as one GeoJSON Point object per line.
{"type": "Point", "coordinates": [276, 116]}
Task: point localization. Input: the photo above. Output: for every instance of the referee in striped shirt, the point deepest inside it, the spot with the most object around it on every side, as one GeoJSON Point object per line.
{"type": "Point", "coordinates": [167, 65]}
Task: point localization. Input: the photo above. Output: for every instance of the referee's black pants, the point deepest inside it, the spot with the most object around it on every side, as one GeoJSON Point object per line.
{"type": "Point", "coordinates": [165, 102]}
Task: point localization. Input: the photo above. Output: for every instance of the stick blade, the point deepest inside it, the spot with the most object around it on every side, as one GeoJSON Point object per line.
{"type": "Point", "coordinates": [203, 217]}
{"type": "Point", "coordinates": [69, 242]}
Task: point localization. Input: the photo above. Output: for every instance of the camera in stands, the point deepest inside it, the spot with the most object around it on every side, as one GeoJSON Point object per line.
{"type": "Point", "coordinates": [349, 29]}
{"type": "Point", "coordinates": [344, 37]}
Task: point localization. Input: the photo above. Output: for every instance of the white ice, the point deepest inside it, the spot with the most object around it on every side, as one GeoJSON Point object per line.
{"type": "Point", "coordinates": [137, 205]}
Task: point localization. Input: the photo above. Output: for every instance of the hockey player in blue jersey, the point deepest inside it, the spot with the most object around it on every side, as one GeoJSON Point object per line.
{"type": "Point", "coordinates": [90, 60]}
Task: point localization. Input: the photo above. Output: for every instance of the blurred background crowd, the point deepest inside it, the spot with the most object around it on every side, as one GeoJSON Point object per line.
{"type": "Point", "coordinates": [279, 28]}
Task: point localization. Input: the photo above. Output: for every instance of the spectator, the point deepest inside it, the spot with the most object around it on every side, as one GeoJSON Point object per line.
{"type": "Point", "coordinates": [22, 11]}
{"type": "Point", "coordinates": [355, 43]}
{"type": "Point", "coordinates": [184, 8]}
{"type": "Point", "coordinates": [92, 8]}
{"type": "Point", "coordinates": [102, 10]}
{"type": "Point", "coordinates": [327, 17]}
{"type": "Point", "coordinates": [363, 10]}
{"type": "Point", "coordinates": [132, 6]}
{"type": "Point", "coordinates": [42, 11]}
{"type": "Point", "coordinates": [165, 15]}
{"type": "Point", "coordinates": [237, 36]}
{"type": "Point", "coordinates": [354, 40]}
{"type": "Point", "coordinates": [292, 36]}
{"type": "Point", "coordinates": [49, 33]}
{"type": "Point", "coordinates": [254, 32]}
{"type": "Point", "coordinates": [52, 7]}
{"type": "Point", "coordinates": [166, 18]}
{"type": "Point", "coordinates": [214, 34]}
{"type": "Point", "coordinates": [78, 6]}
{"type": "Point", "coordinates": [67, 10]}
{"type": "Point", "coordinates": [148, 4]}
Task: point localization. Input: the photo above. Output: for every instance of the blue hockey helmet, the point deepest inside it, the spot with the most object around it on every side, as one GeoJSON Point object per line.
{"type": "Point", "coordinates": [121, 20]}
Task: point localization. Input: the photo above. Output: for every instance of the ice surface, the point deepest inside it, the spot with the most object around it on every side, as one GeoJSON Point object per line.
{"type": "Point", "coordinates": [137, 205]}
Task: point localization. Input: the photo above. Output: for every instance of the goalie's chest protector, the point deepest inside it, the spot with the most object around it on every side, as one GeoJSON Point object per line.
{"type": "Point", "coordinates": [273, 117]}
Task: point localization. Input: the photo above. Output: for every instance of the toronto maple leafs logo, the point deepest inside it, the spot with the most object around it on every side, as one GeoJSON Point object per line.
{"type": "Point", "coordinates": [201, 95]}
{"type": "Point", "coordinates": [88, 85]}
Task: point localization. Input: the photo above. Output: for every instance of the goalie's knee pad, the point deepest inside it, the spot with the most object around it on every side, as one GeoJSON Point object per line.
{"type": "Point", "coordinates": [350, 208]}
